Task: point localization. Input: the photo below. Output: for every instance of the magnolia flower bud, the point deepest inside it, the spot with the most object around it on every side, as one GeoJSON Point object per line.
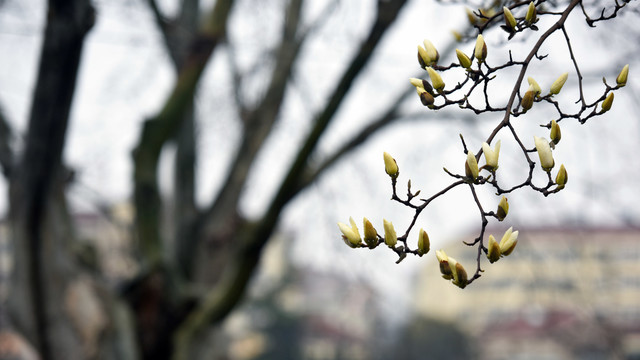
{"type": "Point", "coordinates": [491, 156]}
{"type": "Point", "coordinates": [558, 84]}
{"type": "Point", "coordinates": [481, 49]}
{"type": "Point", "coordinates": [390, 165]}
{"type": "Point", "coordinates": [508, 242]}
{"type": "Point", "coordinates": [530, 18]}
{"type": "Point", "coordinates": [390, 237]}
{"type": "Point", "coordinates": [544, 152]}
{"type": "Point", "coordinates": [606, 104]}
{"type": "Point", "coordinates": [459, 273]}
{"type": "Point", "coordinates": [370, 234]}
{"type": "Point", "coordinates": [471, 16]}
{"type": "Point", "coordinates": [508, 18]}
{"type": "Point", "coordinates": [493, 250]}
{"type": "Point", "coordinates": [436, 80]}
{"type": "Point", "coordinates": [503, 209]}
{"type": "Point", "coordinates": [562, 177]}
{"type": "Point", "coordinates": [423, 242]}
{"type": "Point", "coordinates": [423, 57]}
{"type": "Point", "coordinates": [416, 82]}
{"type": "Point", "coordinates": [456, 35]}
{"type": "Point", "coordinates": [432, 52]}
{"type": "Point", "coordinates": [533, 85]}
{"type": "Point", "coordinates": [425, 97]}
{"type": "Point", "coordinates": [445, 268]}
{"type": "Point", "coordinates": [555, 135]}
{"type": "Point", "coordinates": [471, 165]}
{"type": "Point", "coordinates": [622, 77]}
{"type": "Point", "coordinates": [527, 99]}
{"type": "Point", "coordinates": [350, 234]}
{"type": "Point", "coordinates": [464, 60]}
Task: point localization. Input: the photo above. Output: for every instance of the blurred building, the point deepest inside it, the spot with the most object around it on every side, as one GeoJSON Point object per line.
{"type": "Point", "coordinates": [562, 294]}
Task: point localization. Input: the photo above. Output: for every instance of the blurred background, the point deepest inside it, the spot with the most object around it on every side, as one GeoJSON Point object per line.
{"type": "Point", "coordinates": [174, 171]}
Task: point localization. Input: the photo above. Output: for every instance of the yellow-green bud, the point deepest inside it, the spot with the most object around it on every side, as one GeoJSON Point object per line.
{"type": "Point", "coordinates": [481, 49]}
{"type": "Point", "coordinates": [423, 57]}
{"type": "Point", "coordinates": [555, 134]}
{"type": "Point", "coordinates": [622, 77]}
{"type": "Point", "coordinates": [390, 237]}
{"type": "Point", "coordinates": [423, 242]}
{"type": "Point", "coordinates": [471, 16]}
{"type": "Point", "coordinates": [508, 242]}
{"type": "Point", "coordinates": [459, 273]}
{"type": "Point", "coordinates": [471, 165]}
{"type": "Point", "coordinates": [544, 152]}
{"type": "Point", "coordinates": [531, 16]}
{"type": "Point", "coordinates": [491, 155]}
{"type": "Point", "coordinates": [370, 233]}
{"type": "Point", "coordinates": [503, 209]}
{"type": "Point", "coordinates": [445, 268]}
{"type": "Point", "coordinates": [456, 35]}
{"type": "Point", "coordinates": [558, 84]}
{"type": "Point", "coordinates": [350, 234]}
{"type": "Point", "coordinates": [432, 52]}
{"type": "Point", "coordinates": [527, 99]}
{"type": "Point", "coordinates": [425, 97]}
{"type": "Point", "coordinates": [464, 60]}
{"type": "Point", "coordinates": [533, 85]}
{"type": "Point", "coordinates": [436, 80]}
{"type": "Point", "coordinates": [508, 18]}
{"type": "Point", "coordinates": [608, 101]}
{"type": "Point", "coordinates": [562, 177]}
{"type": "Point", "coordinates": [416, 82]}
{"type": "Point", "coordinates": [390, 165]}
{"type": "Point", "coordinates": [493, 250]}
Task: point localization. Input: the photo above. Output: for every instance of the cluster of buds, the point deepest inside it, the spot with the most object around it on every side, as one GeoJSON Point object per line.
{"type": "Point", "coordinates": [351, 236]}
{"type": "Point", "coordinates": [543, 147]}
{"type": "Point", "coordinates": [497, 250]}
{"type": "Point", "coordinates": [452, 269]}
{"type": "Point", "coordinates": [491, 156]}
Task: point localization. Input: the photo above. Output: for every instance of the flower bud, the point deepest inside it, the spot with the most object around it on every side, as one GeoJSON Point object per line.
{"type": "Point", "coordinates": [390, 165]}
{"type": "Point", "coordinates": [555, 135]}
{"type": "Point", "coordinates": [558, 84]}
{"type": "Point", "coordinates": [508, 242]}
{"type": "Point", "coordinates": [350, 234]}
{"type": "Point", "coordinates": [544, 152]}
{"type": "Point", "coordinates": [481, 49]}
{"type": "Point", "coordinates": [456, 35]}
{"type": "Point", "coordinates": [606, 104]}
{"type": "Point", "coordinates": [491, 155]}
{"type": "Point", "coordinates": [471, 165]}
{"type": "Point", "coordinates": [622, 77]}
{"type": "Point", "coordinates": [533, 85]}
{"type": "Point", "coordinates": [423, 57]}
{"type": "Point", "coordinates": [471, 16]}
{"type": "Point", "coordinates": [423, 242]}
{"type": "Point", "coordinates": [464, 60]}
{"type": "Point", "coordinates": [503, 209]}
{"type": "Point", "coordinates": [460, 278]}
{"type": "Point", "coordinates": [425, 97]}
{"type": "Point", "coordinates": [562, 177]}
{"type": "Point", "coordinates": [370, 233]}
{"type": "Point", "coordinates": [445, 268]}
{"type": "Point", "coordinates": [509, 19]}
{"type": "Point", "coordinates": [436, 80]}
{"type": "Point", "coordinates": [531, 16]}
{"type": "Point", "coordinates": [493, 250]}
{"type": "Point", "coordinates": [390, 237]}
{"type": "Point", "coordinates": [432, 52]}
{"type": "Point", "coordinates": [416, 82]}
{"type": "Point", "coordinates": [527, 99]}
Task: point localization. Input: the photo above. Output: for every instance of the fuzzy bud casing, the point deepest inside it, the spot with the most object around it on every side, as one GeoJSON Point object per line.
{"type": "Point", "coordinates": [423, 242]}
{"type": "Point", "coordinates": [608, 101]}
{"type": "Point", "coordinates": [558, 84]}
{"type": "Point", "coordinates": [503, 209]}
{"type": "Point", "coordinates": [493, 250]}
{"type": "Point", "coordinates": [562, 177]}
{"type": "Point", "coordinates": [481, 49]}
{"type": "Point", "coordinates": [621, 80]}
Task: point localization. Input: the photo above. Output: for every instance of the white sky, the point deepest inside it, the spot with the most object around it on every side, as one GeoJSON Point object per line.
{"type": "Point", "coordinates": [126, 75]}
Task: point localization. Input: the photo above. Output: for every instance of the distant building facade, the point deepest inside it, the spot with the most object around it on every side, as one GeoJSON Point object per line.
{"type": "Point", "coordinates": [562, 294]}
